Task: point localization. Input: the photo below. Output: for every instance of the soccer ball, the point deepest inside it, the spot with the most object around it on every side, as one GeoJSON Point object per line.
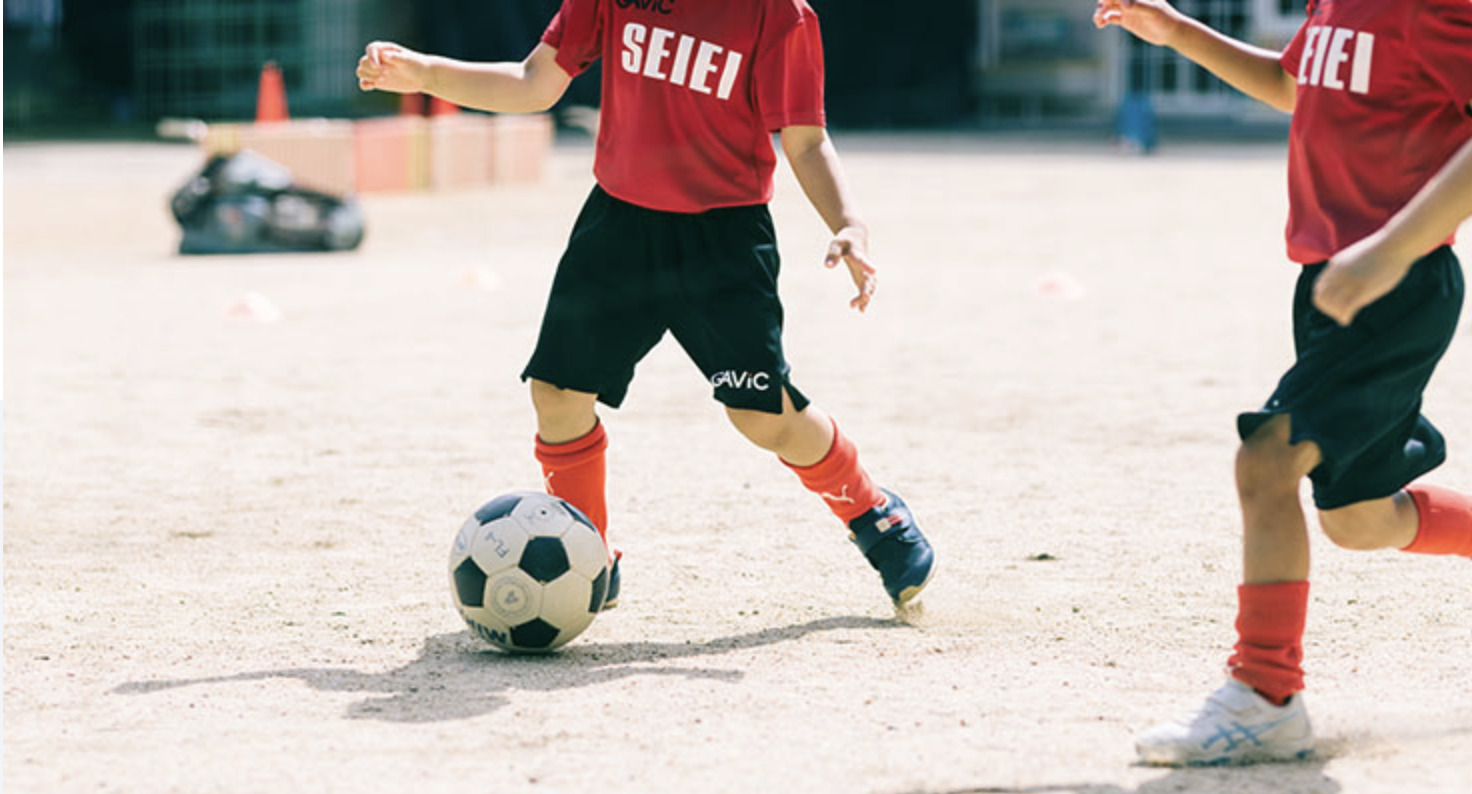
{"type": "Point", "coordinates": [528, 572]}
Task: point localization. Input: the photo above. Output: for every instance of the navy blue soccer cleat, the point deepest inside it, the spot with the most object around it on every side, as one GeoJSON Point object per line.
{"type": "Point", "coordinates": [611, 600]}
{"type": "Point", "coordinates": [891, 541]}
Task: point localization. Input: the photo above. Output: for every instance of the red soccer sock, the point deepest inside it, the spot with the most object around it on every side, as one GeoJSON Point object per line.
{"type": "Point", "coordinates": [574, 471]}
{"type": "Point", "coordinates": [1270, 623]}
{"type": "Point", "coordinates": [1446, 521]}
{"type": "Point", "coordinates": [844, 485]}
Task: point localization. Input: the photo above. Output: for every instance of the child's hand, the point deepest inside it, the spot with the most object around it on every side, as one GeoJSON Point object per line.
{"type": "Point", "coordinates": [386, 66]}
{"type": "Point", "coordinates": [1356, 277]}
{"type": "Point", "coordinates": [851, 247]}
{"type": "Point", "coordinates": [1152, 20]}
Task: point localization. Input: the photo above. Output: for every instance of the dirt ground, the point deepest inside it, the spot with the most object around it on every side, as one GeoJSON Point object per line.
{"type": "Point", "coordinates": [225, 537]}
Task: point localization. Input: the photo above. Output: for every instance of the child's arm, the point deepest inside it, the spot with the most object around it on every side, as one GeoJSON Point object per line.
{"type": "Point", "coordinates": [1365, 271]}
{"type": "Point", "coordinates": [532, 85]}
{"type": "Point", "coordinates": [815, 163]}
{"type": "Point", "coordinates": [1252, 70]}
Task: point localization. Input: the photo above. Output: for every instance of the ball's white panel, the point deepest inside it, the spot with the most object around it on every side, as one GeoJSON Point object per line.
{"type": "Point", "coordinates": [542, 515]}
{"type": "Point", "coordinates": [497, 546]}
{"type": "Point", "coordinates": [513, 597]}
{"type": "Point", "coordinates": [565, 605]}
{"type": "Point", "coordinates": [460, 549]}
{"type": "Point", "coordinates": [586, 553]}
{"type": "Point", "coordinates": [484, 624]}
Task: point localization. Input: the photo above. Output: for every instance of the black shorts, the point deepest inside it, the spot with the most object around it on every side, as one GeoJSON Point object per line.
{"type": "Point", "coordinates": [630, 273]}
{"type": "Point", "coordinates": [1356, 391]}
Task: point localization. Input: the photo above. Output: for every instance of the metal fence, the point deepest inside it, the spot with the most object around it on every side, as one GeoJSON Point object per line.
{"type": "Point", "coordinates": [130, 62]}
{"type": "Point", "coordinates": [204, 57]}
{"type": "Point", "coordinates": [1180, 87]}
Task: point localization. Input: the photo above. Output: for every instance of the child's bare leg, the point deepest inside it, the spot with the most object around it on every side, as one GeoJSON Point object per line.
{"type": "Point", "coordinates": [800, 438]}
{"type": "Point", "coordinates": [1272, 602]}
{"type": "Point", "coordinates": [1388, 523]}
{"type": "Point", "coordinates": [562, 415]}
{"type": "Point", "coordinates": [1275, 535]}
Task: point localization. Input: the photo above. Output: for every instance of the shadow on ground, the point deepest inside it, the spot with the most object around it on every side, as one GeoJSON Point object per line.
{"type": "Point", "coordinates": [1306, 777]}
{"type": "Point", "coordinates": [457, 677]}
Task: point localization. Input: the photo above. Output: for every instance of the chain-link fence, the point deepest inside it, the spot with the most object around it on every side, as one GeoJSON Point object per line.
{"type": "Point", "coordinates": [203, 58]}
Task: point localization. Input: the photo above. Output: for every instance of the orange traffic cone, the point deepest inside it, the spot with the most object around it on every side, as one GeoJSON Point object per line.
{"type": "Point", "coordinates": [440, 107]}
{"type": "Point", "coordinates": [271, 99]}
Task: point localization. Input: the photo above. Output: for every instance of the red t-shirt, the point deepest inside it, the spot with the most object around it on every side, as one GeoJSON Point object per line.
{"type": "Point", "coordinates": [1383, 89]}
{"type": "Point", "coordinates": [692, 91]}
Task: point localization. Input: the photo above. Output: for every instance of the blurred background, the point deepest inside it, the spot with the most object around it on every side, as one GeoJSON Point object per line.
{"type": "Point", "coordinates": [113, 68]}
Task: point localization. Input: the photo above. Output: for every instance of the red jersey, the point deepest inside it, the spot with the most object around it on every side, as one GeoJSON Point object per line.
{"type": "Point", "coordinates": [1383, 90]}
{"type": "Point", "coordinates": [692, 91]}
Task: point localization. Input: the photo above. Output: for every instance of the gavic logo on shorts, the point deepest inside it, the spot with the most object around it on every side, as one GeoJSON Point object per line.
{"type": "Point", "coordinates": [731, 379]}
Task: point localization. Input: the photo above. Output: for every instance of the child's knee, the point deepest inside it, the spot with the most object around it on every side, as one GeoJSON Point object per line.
{"type": "Point", "coordinates": [1358, 527]}
{"type": "Point", "coordinates": [768, 431]}
{"type": "Point", "coordinates": [552, 402]}
{"type": "Point", "coordinates": [1268, 465]}
{"type": "Point", "coordinates": [1265, 469]}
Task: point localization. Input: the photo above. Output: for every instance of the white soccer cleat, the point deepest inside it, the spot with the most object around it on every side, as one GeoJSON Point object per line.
{"type": "Point", "coordinates": [1235, 726]}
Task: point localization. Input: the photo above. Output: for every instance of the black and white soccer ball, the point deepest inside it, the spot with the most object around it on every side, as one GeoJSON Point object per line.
{"type": "Point", "coordinates": [528, 572]}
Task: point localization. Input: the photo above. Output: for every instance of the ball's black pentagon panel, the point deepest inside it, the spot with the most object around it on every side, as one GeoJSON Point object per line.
{"type": "Point", "coordinates": [544, 559]}
{"type": "Point", "coordinates": [470, 584]}
{"type": "Point", "coordinates": [600, 591]}
{"type": "Point", "coordinates": [536, 635]}
{"type": "Point", "coordinates": [500, 507]}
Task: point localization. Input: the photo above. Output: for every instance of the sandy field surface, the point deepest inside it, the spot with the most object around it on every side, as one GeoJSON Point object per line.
{"type": "Point", "coordinates": [225, 538]}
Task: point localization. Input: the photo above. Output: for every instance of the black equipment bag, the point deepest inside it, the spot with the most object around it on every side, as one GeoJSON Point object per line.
{"type": "Point", "coordinates": [246, 204]}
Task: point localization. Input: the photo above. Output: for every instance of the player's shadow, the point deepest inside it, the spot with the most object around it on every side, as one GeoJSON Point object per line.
{"type": "Point", "coordinates": [456, 676]}
{"type": "Point", "coordinates": [1304, 777]}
